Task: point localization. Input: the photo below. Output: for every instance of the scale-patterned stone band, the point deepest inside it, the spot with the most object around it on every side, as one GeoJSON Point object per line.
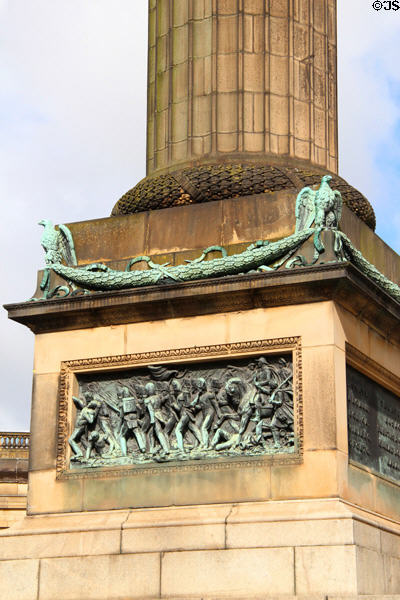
{"type": "Point", "coordinates": [218, 182]}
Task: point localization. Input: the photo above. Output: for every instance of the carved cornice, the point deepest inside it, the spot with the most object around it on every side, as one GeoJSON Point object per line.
{"type": "Point", "coordinates": [343, 283]}
{"type": "Point", "coordinates": [70, 369]}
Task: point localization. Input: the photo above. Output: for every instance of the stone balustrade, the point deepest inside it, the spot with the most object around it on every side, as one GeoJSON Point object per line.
{"type": "Point", "coordinates": [14, 444]}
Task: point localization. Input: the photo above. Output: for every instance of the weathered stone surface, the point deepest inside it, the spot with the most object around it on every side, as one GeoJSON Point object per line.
{"type": "Point", "coordinates": [327, 570]}
{"type": "Point", "coordinates": [180, 487]}
{"type": "Point", "coordinates": [167, 538]}
{"type": "Point", "coordinates": [12, 503]}
{"type": "Point", "coordinates": [319, 383]}
{"type": "Point", "coordinates": [241, 550]}
{"type": "Point", "coordinates": [97, 577]}
{"type": "Point", "coordinates": [60, 496]}
{"type": "Point", "coordinates": [43, 451]}
{"type": "Point", "coordinates": [392, 574]}
{"type": "Point", "coordinates": [60, 543]}
{"type": "Point", "coordinates": [390, 543]}
{"type": "Point", "coordinates": [226, 572]}
{"type": "Point", "coordinates": [368, 536]}
{"type": "Point", "coordinates": [370, 572]}
{"type": "Point", "coordinates": [50, 351]}
{"type": "Point", "coordinates": [315, 478]}
{"type": "Point", "coordinates": [19, 579]}
{"type": "Point", "coordinates": [290, 533]}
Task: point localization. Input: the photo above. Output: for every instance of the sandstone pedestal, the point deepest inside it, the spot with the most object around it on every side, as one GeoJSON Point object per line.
{"type": "Point", "coordinates": [314, 524]}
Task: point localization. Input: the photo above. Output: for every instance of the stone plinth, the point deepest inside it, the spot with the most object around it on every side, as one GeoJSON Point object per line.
{"type": "Point", "coordinates": [322, 548]}
{"type": "Point", "coordinates": [318, 525]}
{"type": "Point", "coordinates": [327, 332]}
{"type": "Point", "coordinates": [305, 521]}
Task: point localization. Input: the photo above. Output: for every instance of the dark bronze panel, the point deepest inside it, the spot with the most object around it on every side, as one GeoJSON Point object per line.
{"type": "Point", "coordinates": [373, 424]}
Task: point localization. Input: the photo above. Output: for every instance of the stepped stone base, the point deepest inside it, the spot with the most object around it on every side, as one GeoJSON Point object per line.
{"type": "Point", "coordinates": [250, 550]}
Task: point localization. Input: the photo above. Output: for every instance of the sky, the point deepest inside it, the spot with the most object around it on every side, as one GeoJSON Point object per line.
{"type": "Point", "coordinates": [72, 134]}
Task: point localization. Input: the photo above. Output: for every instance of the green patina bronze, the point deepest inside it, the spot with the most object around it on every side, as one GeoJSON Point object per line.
{"type": "Point", "coordinates": [184, 412]}
{"type": "Point", "coordinates": [316, 211]}
{"type": "Point", "coordinates": [101, 278]}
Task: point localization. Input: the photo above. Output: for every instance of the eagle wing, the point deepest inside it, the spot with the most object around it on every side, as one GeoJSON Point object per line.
{"type": "Point", "coordinates": [66, 245]}
{"type": "Point", "coordinates": [305, 209]}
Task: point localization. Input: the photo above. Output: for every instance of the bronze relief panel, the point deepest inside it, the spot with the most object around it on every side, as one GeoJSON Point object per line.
{"type": "Point", "coordinates": [205, 404]}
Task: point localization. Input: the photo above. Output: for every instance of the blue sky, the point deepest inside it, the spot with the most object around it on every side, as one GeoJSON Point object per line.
{"type": "Point", "coordinates": [369, 108]}
{"type": "Point", "coordinates": [72, 133]}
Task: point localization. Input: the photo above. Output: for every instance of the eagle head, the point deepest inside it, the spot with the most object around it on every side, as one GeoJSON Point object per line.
{"type": "Point", "coordinates": [326, 178]}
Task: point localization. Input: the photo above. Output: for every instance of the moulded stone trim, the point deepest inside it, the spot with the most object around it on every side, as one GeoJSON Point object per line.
{"type": "Point", "coordinates": [372, 369]}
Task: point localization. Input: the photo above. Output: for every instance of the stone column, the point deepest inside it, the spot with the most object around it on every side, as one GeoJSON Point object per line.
{"type": "Point", "coordinates": [248, 80]}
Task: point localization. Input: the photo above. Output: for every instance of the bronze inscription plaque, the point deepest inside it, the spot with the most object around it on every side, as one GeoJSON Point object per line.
{"type": "Point", "coordinates": [373, 424]}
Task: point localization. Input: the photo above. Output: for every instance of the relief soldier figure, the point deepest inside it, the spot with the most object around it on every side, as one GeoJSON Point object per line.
{"type": "Point", "coordinates": [205, 401]}
{"type": "Point", "coordinates": [131, 424]}
{"type": "Point", "coordinates": [227, 433]}
{"type": "Point", "coordinates": [175, 390]}
{"type": "Point", "coordinates": [104, 420]}
{"type": "Point", "coordinates": [187, 420]}
{"type": "Point", "coordinates": [85, 423]}
{"type": "Point", "coordinates": [154, 403]}
{"type": "Point", "coordinates": [264, 378]}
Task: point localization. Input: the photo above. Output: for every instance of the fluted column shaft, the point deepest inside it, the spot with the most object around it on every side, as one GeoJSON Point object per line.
{"type": "Point", "coordinates": [251, 79]}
